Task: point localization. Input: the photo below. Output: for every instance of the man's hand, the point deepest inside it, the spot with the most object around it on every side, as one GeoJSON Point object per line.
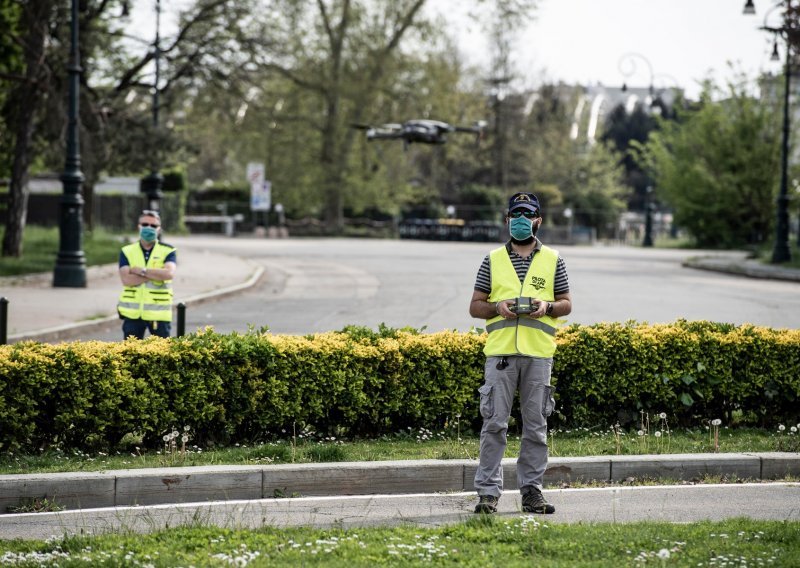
{"type": "Point", "coordinates": [502, 309]}
{"type": "Point", "coordinates": [541, 308]}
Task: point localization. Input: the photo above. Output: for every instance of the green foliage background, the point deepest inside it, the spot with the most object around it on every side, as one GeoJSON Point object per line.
{"type": "Point", "coordinates": [718, 167]}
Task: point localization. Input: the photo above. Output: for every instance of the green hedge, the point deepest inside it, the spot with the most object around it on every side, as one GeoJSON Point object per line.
{"type": "Point", "coordinates": [237, 387]}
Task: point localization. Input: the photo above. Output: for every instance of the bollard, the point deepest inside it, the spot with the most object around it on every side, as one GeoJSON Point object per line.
{"type": "Point", "coordinates": [3, 320]}
{"type": "Point", "coordinates": [181, 320]}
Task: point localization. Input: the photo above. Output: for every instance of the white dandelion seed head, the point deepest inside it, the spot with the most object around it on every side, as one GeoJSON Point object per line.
{"type": "Point", "coordinates": [663, 416]}
{"type": "Point", "coordinates": [663, 553]}
{"type": "Point", "coordinates": [781, 427]}
{"type": "Point", "coordinates": [640, 432]}
{"type": "Point", "coordinates": [716, 422]}
{"type": "Point", "coordinates": [165, 438]}
{"type": "Point", "coordinates": [658, 434]}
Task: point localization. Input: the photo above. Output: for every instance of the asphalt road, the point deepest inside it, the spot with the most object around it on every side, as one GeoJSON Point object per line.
{"type": "Point", "coordinates": [314, 285]}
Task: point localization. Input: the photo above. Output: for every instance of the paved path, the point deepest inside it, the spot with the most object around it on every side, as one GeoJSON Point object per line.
{"type": "Point", "coordinates": [778, 501]}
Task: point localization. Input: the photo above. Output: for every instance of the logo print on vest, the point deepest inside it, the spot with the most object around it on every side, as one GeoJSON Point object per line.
{"type": "Point", "coordinates": [538, 282]}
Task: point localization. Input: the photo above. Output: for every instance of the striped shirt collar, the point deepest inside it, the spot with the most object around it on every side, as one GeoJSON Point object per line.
{"type": "Point", "coordinates": [536, 248]}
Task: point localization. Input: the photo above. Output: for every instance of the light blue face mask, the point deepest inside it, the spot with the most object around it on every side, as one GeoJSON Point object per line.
{"type": "Point", "coordinates": [521, 229]}
{"type": "Point", "coordinates": [148, 234]}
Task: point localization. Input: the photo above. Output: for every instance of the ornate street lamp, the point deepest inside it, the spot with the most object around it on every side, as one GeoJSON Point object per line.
{"type": "Point", "coordinates": [627, 66]}
{"type": "Point", "coordinates": [781, 251]}
{"type": "Point", "coordinates": [70, 269]}
{"type": "Point", "coordinates": [153, 183]}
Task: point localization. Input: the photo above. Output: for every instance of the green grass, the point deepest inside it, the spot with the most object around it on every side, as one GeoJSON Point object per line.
{"type": "Point", "coordinates": [521, 540]}
{"type": "Point", "coordinates": [307, 447]}
{"type": "Point", "coordinates": [765, 254]}
{"type": "Point", "coordinates": [40, 247]}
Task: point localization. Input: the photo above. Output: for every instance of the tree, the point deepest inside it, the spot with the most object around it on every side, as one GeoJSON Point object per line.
{"type": "Point", "coordinates": [623, 128]}
{"type": "Point", "coordinates": [717, 166]}
{"type": "Point", "coordinates": [24, 101]}
{"type": "Point", "coordinates": [11, 69]}
{"type": "Point", "coordinates": [599, 196]}
{"type": "Point", "coordinates": [347, 50]}
{"type": "Point", "coordinates": [111, 121]}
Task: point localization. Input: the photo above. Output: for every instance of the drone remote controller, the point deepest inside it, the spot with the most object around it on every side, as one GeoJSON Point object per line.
{"type": "Point", "coordinates": [523, 305]}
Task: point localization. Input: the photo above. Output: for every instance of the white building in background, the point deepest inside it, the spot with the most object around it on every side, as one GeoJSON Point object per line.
{"type": "Point", "coordinates": [596, 102]}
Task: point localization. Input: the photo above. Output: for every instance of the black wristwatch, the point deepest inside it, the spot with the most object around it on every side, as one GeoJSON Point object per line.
{"type": "Point", "coordinates": [549, 308]}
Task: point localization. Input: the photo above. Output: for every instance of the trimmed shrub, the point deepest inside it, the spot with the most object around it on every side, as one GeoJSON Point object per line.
{"type": "Point", "coordinates": [358, 381]}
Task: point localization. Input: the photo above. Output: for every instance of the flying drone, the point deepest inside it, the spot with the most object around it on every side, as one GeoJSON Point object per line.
{"type": "Point", "coordinates": [419, 131]}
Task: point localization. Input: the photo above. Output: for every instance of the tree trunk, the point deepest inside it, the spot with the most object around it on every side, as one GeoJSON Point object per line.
{"type": "Point", "coordinates": [26, 97]}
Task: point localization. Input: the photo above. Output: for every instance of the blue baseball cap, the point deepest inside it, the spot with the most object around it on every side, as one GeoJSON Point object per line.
{"type": "Point", "coordinates": [523, 200]}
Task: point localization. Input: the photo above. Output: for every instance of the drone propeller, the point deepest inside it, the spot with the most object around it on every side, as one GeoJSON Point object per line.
{"type": "Point", "coordinates": [477, 129]}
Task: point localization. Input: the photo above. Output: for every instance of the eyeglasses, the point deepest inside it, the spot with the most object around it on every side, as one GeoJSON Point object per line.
{"type": "Point", "coordinates": [149, 225]}
{"type": "Point", "coordinates": [528, 214]}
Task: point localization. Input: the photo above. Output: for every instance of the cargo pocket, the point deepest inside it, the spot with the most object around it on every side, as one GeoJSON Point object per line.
{"type": "Point", "coordinates": [487, 401]}
{"type": "Point", "coordinates": [549, 402]}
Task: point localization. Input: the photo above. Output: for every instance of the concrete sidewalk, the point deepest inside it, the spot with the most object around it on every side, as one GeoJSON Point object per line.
{"type": "Point", "coordinates": [742, 265]}
{"type": "Point", "coordinates": [39, 312]}
{"type": "Point", "coordinates": [156, 486]}
{"type": "Point", "coordinates": [661, 503]}
{"type": "Point", "coordinates": [423, 492]}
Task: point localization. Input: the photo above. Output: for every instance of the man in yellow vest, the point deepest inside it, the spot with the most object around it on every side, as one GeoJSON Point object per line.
{"type": "Point", "coordinates": [522, 290]}
{"type": "Point", "coordinates": [146, 269]}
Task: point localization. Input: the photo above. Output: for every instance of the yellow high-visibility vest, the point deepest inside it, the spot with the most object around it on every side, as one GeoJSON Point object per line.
{"type": "Point", "coordinates": [522, 335]}
{"type": "Point", "coordinates": [150, 300]}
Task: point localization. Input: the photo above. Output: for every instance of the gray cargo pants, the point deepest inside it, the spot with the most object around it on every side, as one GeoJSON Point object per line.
{"type": "Point", "coordinates": [531, 375]}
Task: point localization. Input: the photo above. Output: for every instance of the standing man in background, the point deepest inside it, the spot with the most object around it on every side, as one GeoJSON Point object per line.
{"type": "Point", "coordinates": [521, 290]}
{"type": "Point", "coordinates": [146, 269]}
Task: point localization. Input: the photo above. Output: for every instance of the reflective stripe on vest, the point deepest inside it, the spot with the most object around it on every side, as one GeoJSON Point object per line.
{"type": "Point", "coordinates": [522, 335]}
{"type": "Point", "coordinates": [150, 300]}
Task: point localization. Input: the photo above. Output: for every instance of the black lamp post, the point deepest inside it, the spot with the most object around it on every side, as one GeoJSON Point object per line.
{"type": "Point", "coordinates": [627, 66]}
{"type": "Point", "coordinates": [781, 251]}
{"type": "Point", "coordinates": [70, 269]}
{"type": "Point", "coordinates": [153, 183]}
{"type": "Point", "coordinates": [648, 218]}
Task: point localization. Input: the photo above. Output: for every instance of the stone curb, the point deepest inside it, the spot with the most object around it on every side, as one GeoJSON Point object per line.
{"type": "Point", "coordinates": [115, 488]}
{"type": "Point", "coordinates": [749, 268]}
{"type": "Point", "coordinates": [67, 331]}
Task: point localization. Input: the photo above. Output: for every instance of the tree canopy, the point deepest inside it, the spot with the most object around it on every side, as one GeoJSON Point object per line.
{"type": "Point", "coordinates": [717, 166]}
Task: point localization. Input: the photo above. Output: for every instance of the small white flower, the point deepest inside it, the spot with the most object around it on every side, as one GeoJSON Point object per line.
{"type": "Point", "coordinates": [663, 416]}
{"type": "Point", "coordinates": [716, 422]}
